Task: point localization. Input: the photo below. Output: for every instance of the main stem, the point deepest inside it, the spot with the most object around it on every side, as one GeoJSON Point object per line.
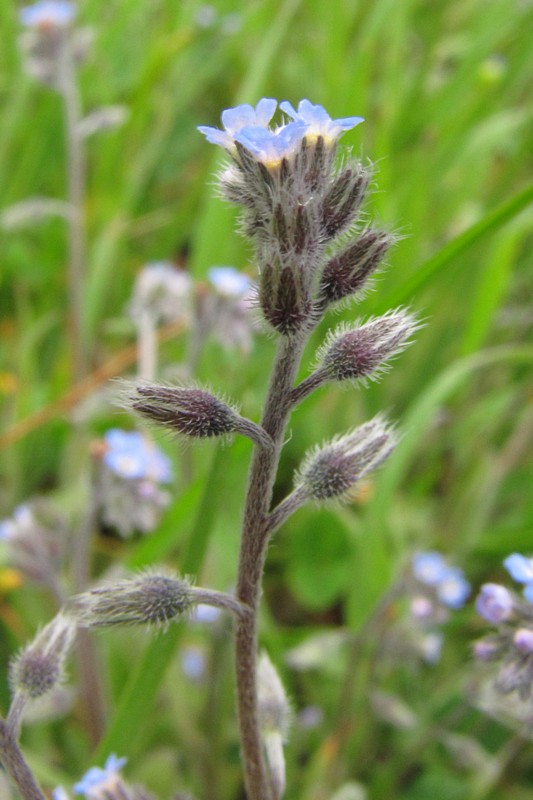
{"type": "Point", "coordinates": [16, 766]}
{"type": "Point", "coordinates": [254, 542]}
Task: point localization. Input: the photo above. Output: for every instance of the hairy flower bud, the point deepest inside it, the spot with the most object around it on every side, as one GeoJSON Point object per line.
{"type": "Point", "coordinates": [152, 598]}
{"type": "Point", "coordinates": [190, 411]}
{"type": "Point", "coordinates": [40, 666]}
{"type": "Point", "coordinates": [348, 271]}
{"type": "Point", "coordinates": [343, 200]}
{"type": "Point", "coordinates": [362, 352]}
{"type": "Point", "coordinates": [330, 471]}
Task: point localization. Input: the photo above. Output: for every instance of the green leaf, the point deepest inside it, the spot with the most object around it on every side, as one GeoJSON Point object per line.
{"type": "Point", "coordinates": [319, 559]}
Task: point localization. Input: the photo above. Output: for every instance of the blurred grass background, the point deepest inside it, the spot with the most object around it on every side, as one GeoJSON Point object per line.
{"type": "Point", "coordinates": [445, 91]}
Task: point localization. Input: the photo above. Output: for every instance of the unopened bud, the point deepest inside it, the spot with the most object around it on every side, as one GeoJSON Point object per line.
{"type": "Point", "coordinates": [523, 639]}
{"type": "Point", "coordinates": [274, 709]}
{"type": "Point", "coordinates": [347, 272]}
{"type": "Point", "coordinates": [152, 598]}
{"type": "Point", "coordinates": [330, 471]}
{"type": "Point", "coordinates": [487, 649]}
{"type": "Point", "coordinates": [343, 200]}
{"type": "Point", "coordinates": [284, 295]}
{"type": "Point", "coordinates": [40, 666]}
{"type": "Point", "coordinates": [190, 411]}
{"type": "Point", "coordinates": [362, 352]}
{"type": "Point", "coordinates": [274, 718]}
{"type": "Point", "coordinates": [495, 603]}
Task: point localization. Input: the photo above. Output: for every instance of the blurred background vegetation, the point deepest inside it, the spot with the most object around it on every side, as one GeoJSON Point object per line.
{"type": "Point", "coordinates": [445, 91]}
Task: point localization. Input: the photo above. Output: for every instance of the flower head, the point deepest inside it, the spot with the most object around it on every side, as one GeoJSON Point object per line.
{"type": "Point", "coordinates": [162, 291]}
{"type": "Point", "coordinates": [99, 783]}
{"type": "Point", "coordinates": [235, 119]}
{"type": "Point", "coordinates": [429, 567]}
{"type": "Point", "coordinates": [48, 14]}
{"type": "Point", "coordinates": [318, 122]}
{"type": "Point", "coordinates": [133, 457]}
{"type": "Point", "coordinates": [270, 147]}
{"type": "Point", "coordinates": [229, 282]}
{"type": "Point", "coordinates": [453, 588]}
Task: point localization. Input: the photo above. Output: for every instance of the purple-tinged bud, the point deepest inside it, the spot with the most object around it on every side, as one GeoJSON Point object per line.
{"type": "Point", "coordinates": [523, 639]}
{"type": "Point", "coordinates": [362, 352]}
{"type": "Point", "coordinates": [343, 201]}
{"type": "Point", "coordinates": [494, 603]}
{"type": "Point", "coordinates": [422, 608]}
{"type": "Point", "coordinates": [40, 666]}
{"type": "Point", "coordinates": [348, 271]}
{"type": "Point", "coordinates": [487, 649]}
{"type": "Point", "coordinates": [152, 598]}
{"type": "Point", "coordinates": [330, 471]}
{"type": "Point", "coordinates": [516, 676]}
{"type": "Point", "coordinates": [190, 411]}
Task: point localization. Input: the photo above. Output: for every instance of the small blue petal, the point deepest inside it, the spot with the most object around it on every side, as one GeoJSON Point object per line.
{"type": "Point", "coordinates": [228, 281]}
{"type": "Point", "coordinates": [528, 592]}
{"type": "Point", "coordinates": [453, 588]}
{"type": "Point", "coordinates": [52, 13]}
{"type": "Point", "coordinates": [519, 568]}
{"type": "Point", "coordinates": [318, 120]}
{"type": "Point", "coordinates": [429, 567]}
{"type": "Point", "coordinates": [96, 776]}
{"type": "Point", "coordinates": [132, 457]}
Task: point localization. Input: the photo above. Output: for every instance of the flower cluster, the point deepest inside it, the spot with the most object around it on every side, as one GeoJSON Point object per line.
{"type": "Point", "coordinates": [295, 205]}
{"type": "Point", "coordinates": [449, 584]}
{"type": "Point", "coordinates": [35, 538]}
{"type": "Point", "coordinates": [227, 307]}
{"type": "Point", "coordinates": [511, 646]}
{"type": "Point", "coordinates": [162, 292]}
{"type": "Point", "coordinates": [104, 784]}
{"type": "Point", "coordinates": [131, 469]}
{"type": "Point", "coordinates": [432, 589]}
{"type": "Point", "coordinates": [50, 40]}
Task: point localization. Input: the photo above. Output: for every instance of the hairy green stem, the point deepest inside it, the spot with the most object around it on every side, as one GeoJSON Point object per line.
{"type": "Point", "coordinates": [255, 535]}
{"type": "Point", "coordinates": [16, 766]}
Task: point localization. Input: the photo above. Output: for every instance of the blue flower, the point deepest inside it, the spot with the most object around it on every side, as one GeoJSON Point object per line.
{"type": "Point", "coordinates": [131, 456]}
{"type": "Point", "coordinates": [48, 14]}
{"type": "Point", "coordinates": [271, 147]}
{"type": "Point", "coordinates": [519, 568]}
{"type": "Point", "coordinates": [60, 794]}
{"type": "Point", "coordinates": [318, 121]}
{"type": "Point", "coordinates": [235, 119]}
{"type": "Point", "coordinates": [228, 281]}
{"type": "Point", "coordinates": [429, 567]}
{"type": "Point", "coordinates": [453, 588]}
{"type": "Point", "coordinates": [96, 778]}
